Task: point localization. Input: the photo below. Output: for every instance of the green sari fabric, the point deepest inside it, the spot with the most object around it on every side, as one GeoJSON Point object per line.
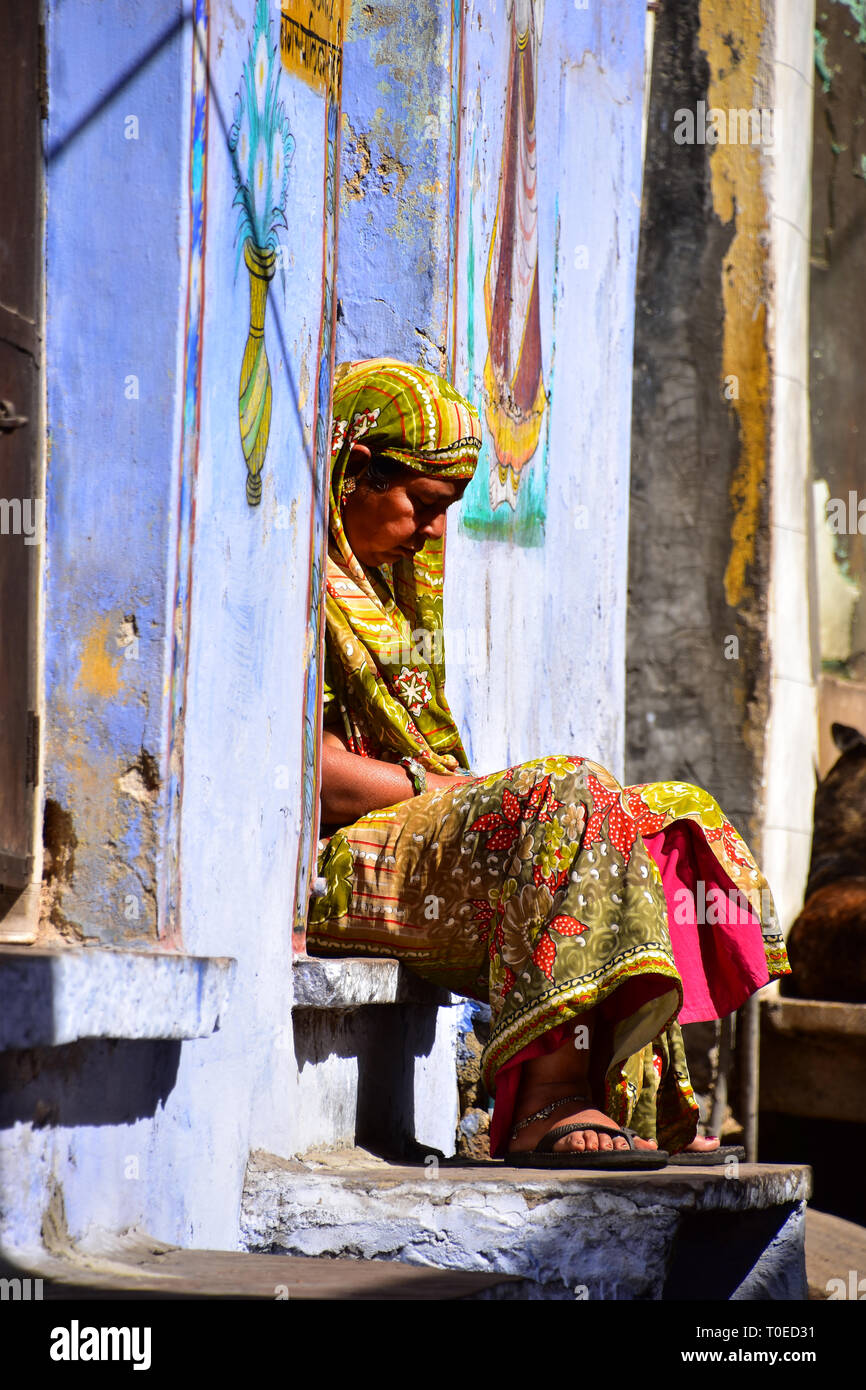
{"type": "Point", "coordinates": [532, 889]}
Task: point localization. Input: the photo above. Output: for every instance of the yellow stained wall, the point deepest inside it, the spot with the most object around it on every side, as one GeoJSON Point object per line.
{"type": "Point", "coordinates": [732, 34]}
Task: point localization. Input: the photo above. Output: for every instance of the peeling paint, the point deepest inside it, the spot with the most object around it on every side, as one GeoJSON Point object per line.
{"type": "Point", "coordinates": [821, 64]}
{"type": "Point", "coordinates": [55, 1230]}
{"type": "Point", "coordinates": [58, 870]}
{"type": "Point", "coordinates": [857, 9]}
{"type": "Point", "coordinates": [141, 779]}
{"type": "Point", "coordinates": [304, 375]}
{"type": "Point", "coordinates": [359, 156]}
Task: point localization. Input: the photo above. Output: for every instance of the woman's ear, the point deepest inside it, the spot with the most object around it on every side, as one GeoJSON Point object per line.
{"type": "Point", "coordinates": [359, 457]}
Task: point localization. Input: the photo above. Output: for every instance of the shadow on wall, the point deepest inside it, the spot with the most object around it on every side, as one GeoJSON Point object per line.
{"type": "Point", "coordinates": [92, 1082]}
{"type": "Point", "coordinates": [385, 1040]}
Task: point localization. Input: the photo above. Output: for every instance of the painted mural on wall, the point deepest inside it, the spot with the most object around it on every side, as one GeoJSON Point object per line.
{"type": "Point", "coordinates": [262, 147]}
{"type": "Point", "coordinates": [311, 48]}
{"type": "Point", "coordinates": [513, 378]}
{"type": "Point", "coordinates": [311, 42]}
{"type": "Point", "coordinates": [507, 499]}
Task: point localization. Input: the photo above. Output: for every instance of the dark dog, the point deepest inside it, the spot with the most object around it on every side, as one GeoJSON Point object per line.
{"type": "Point", "coordinates": [827, 943]}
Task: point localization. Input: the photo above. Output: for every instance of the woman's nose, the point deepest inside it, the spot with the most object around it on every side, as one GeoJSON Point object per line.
{"type": "Point", "coordinates": [435, 529]}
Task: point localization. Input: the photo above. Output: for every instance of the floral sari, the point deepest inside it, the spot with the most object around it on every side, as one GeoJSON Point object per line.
{"type": "Point", "coordinates": [545, 889]}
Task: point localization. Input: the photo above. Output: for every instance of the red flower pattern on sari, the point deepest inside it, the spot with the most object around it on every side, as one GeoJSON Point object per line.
{"type": "Point", "coordinates": [489, 921]}
{"type": "Point", "coordinates": [545, 951]}
{"type": "Point", "coordinates": [506, 929]}
{"type": "Point", "coordinates": [622, 829]}
{"type": "Point", "coordinates": [730, 840]}
{"type": "Point", "coordinates": [505, 824]}
{"type": "Point", "coordinates": [363, 745]}
{"type": "Point", "coordinates": [648, 822]}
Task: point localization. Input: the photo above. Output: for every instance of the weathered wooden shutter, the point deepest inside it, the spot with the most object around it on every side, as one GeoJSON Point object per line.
{"type": "Point", "coordinates": [21, 511]}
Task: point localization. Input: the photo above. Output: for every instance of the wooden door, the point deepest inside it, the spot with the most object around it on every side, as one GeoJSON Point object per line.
{"type": "Point", "coordinates": [21, 491]}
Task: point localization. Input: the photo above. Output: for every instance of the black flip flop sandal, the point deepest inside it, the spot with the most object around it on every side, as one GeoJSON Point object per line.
{"type": "Point", "coordinates": [710, 1158]}
{"type": "Point", "coordinates": [542, 1156]}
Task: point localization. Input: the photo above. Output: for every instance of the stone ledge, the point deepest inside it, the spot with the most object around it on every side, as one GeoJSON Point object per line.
{"type": "Point", "coordinates": [350, 983]}
{"type": "Point", "coordinates": [815, 1017]}
{"type": "Point", "coordinates": [616, 1235]}
{"type": "Point", "coordinates": [813, 1059]}
{"type": "Point", "coordinates": [52, 997]}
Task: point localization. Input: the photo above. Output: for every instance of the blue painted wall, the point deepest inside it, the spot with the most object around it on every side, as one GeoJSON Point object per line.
{"type": "Point", "coordinates": [395, 168]}
{"type": "Point", "coordinates": [178, 642]}
{"type": "Point", "coordinates": [553, 613]}
{"type": "Point", "coordinates": [116, 157]}
{"type": "Point", "coordinates": [150, 534]}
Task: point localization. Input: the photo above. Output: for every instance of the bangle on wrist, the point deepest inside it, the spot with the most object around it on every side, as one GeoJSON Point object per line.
{"type": "Point", "coordinates": [416, 773]}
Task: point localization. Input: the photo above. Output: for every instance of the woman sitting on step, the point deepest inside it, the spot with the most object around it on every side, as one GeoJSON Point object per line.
{"type": "Point", "coordinates": [545, 889]}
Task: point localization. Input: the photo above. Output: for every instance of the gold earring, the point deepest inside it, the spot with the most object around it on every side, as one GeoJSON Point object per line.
{"type": "Point", "coordinates": [349, 486]}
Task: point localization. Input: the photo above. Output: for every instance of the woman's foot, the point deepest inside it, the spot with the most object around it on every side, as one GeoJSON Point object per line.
{"type": "Point", "coordinates": [579, 1141]}
{"type": "Point", "coordinates": [701, 1145]}
{"type": "Point", "coordinates": [587, 1140]}
{"type": "Point", "coordinates": [557, 1083]}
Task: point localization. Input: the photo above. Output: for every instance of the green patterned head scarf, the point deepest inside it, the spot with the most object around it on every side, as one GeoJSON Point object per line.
{"type": "Point", "coordinates": [385, 664]}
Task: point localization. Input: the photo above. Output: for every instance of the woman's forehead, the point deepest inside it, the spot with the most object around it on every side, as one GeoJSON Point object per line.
{"type": "Point", "coordinates": [435, 488]}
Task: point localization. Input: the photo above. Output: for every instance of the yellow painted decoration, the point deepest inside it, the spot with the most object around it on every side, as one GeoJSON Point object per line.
{"type": "Point", "coordinates": [311, 41]}
{"type": "Point", "coordinates": [254, 397]}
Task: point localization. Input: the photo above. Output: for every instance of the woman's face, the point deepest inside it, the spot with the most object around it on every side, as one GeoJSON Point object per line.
{"type": "Point", "coordinates": [386, 526]}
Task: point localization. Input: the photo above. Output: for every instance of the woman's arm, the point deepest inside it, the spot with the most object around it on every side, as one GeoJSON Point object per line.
{"type": "Point", "coordinates": [352, 785]}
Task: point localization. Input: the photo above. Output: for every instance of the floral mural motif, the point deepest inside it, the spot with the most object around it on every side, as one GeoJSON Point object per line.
{"type": "Point", "coordinates": [261, 146]}
{"type": "Point", "coordinates": [513, 382]}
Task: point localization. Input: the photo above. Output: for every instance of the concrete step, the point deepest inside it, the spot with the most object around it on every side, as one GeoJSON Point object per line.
{"type": "Point", "coordinates": [141, 1268]}
{"type": "Point", "coordinates": [735, 1232]}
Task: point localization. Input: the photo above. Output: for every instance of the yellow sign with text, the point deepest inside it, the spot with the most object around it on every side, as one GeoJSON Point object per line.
{"type": "Point", "coordinates": [311, 41]}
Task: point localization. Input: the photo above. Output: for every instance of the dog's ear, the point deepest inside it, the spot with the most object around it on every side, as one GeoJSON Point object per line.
{"type": "Point", "coordinates": [846, 738]}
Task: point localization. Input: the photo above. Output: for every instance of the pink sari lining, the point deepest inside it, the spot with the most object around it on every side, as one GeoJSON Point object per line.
{"type": "Point", "coordinates": [721, 963]}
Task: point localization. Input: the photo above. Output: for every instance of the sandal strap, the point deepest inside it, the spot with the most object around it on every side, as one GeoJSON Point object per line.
{"type": "Point", "coordinates": [548, 1110]}
{"type": "Point", "coordinates": [545, 1145]}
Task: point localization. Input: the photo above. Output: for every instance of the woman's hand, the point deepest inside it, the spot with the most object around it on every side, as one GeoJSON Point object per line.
{"type": "Point", "coordinates": [436, 782]}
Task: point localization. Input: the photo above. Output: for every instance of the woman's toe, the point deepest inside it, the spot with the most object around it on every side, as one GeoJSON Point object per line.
{"type": "Point", "coordinates": [569, 1143]}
